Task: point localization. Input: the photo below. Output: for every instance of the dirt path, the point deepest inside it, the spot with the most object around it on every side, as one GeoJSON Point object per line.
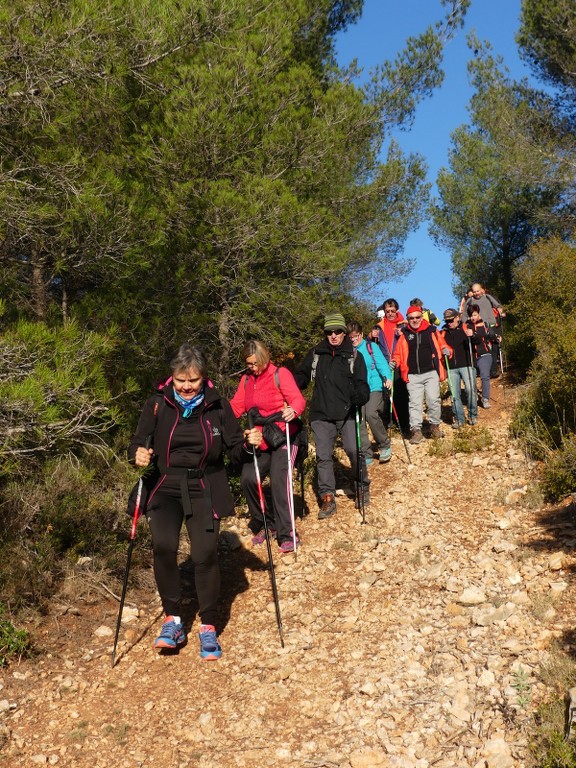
{"type": "Point", "coordinates": [410, 641]}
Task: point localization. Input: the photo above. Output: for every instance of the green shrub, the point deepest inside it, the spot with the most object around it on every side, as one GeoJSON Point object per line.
{"type": "Point", "coordinates": [14, 643]}
{"type": "Point", "coordinates": [559, 472]}
{"type": "Point", "coordinates": [465, 440]}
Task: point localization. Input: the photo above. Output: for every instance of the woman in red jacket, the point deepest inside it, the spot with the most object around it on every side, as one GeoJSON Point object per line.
{"type": "Point", "coordinates": [270, 390]}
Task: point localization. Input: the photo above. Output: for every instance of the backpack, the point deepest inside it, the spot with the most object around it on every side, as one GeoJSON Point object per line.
{"type": "Point", "coordinates": [315, 363]}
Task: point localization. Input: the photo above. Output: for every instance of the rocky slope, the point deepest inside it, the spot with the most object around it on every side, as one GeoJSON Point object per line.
{"type": "Point", "coordinates": [412, 641]}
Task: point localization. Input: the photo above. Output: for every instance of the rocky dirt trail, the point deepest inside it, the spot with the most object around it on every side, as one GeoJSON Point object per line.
{"type": "Point", "coordinates": [412, 641]}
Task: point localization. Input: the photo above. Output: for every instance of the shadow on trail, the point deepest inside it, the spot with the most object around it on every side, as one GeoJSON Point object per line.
{"type": "Point", "coordinates": [234, 561]}
{"type": "Point", "coordinates": [558, 526]}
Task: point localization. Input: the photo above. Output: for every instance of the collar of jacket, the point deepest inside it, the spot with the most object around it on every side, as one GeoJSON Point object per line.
{"type": "Point", "coordinates": [422, 327]}
{"type": "Point", "coordinates": [210, 394]}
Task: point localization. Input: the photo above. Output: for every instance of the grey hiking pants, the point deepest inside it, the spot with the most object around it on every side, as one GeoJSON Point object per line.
{"type": "Point", "coordinates": [325, 434]}
{"type": "Point", "coordinates": [420, 386]}
{"type": "Point", "coordinates": [376, 410]}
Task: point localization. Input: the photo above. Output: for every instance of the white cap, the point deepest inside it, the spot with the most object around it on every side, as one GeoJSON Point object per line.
{"type": "Point", "coordinates": [380, 314]}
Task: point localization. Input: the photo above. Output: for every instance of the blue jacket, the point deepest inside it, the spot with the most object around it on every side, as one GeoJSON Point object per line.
{"type": "Point", "coordinates": [376, 365]}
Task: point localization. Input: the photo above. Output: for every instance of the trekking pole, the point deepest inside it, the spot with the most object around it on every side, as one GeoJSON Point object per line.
{"type": "Point", "coordinates": [135, 519]}
{"type": "Point", "coordinates": [267, 535]}
{"type": "Point", "coordinates": [291, 488]}
{"type": "Point", "coordinates": [473, 387]}
{"type": "Point", "coordinates": [360, 479]}
{"type": "Point", "coordinates": [450, 386]}
{"type": "Point", "coordinates": [401, 434]}
{"type": "Point", "coordinates": [391, 419]}
{"type": "Point", "coordinates": [502, 360]}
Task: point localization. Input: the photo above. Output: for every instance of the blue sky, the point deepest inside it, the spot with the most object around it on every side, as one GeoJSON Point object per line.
{"type": "Point", "coordinates": [380, 35]}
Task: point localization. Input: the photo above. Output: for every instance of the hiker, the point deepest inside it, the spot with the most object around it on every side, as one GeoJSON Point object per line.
{"type": "Point", "coordinates": [418, 356]}
{"type": "Point", "coordinates": [462, 309]}
{"type": "Point", "coordinates": [483, 336]}
{"type": "Point", "coordinates": [462, 370]}
{"type": "Point", "coordinates": [340, 386]}
{"type": "Point", "coordinates": [192, 427]}
{"type": "Point", "coordinates": [270, 390]}
{"type": "Point", "coordinates": [390, 331]}
{"type": "Point", "coordinates": [427, 313]}
{"type": "Point", "coordinates": [378, 406]}
{"type": "Point", "coordinates": [492, 313]}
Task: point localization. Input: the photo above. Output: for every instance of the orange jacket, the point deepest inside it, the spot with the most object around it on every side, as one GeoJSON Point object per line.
{"type": "Point", "coordinates": [402, 349]}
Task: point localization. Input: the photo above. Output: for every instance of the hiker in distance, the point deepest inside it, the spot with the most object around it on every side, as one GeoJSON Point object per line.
{"type": "Point", "coordinates": [377, 408]}
{"type": "Point", "coordinates": [271, 390]}
{"type": "Point", "coordinates": [492, 313]}
{"type": "Point", "coordinates": [462, 370]}
{"type": "Point", "coordinates": [340, 386]}
{"type": "Point", "coordinates": [192, 427]}
{"type": "Point", "coordinates": [389, 334]}
{"type": "Point", "coordinates": [418, 356]}
{"type": "Point", "coordinates": [483, 337]}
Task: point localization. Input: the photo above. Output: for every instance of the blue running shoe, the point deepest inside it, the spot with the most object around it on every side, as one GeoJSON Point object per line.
{"type": "Point", "coordinates": [171, 636]}
{"type": "Point", "coordinates": [210, 649]}
{"type": "Point", "coordinates": [385, 455]}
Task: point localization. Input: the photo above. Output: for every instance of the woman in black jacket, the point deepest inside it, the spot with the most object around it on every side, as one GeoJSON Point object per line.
{"type": "Point", "coordinates": [191, 427]}
{"type": "Point", "coordinates": [482, 338]}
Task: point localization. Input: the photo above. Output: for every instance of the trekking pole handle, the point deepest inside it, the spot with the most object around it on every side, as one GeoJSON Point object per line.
{"type": "Point", "coordinates": [136, 517]}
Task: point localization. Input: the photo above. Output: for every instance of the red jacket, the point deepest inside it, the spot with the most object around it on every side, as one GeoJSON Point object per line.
{"type": "Point", "coordinates": [402, 349]}
{"type": "Point", "coordinates": [263, 392]}
{"type": "Point", "coordinates": [389, 335]}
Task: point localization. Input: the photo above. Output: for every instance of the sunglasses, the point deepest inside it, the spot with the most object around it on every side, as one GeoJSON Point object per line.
{"type": "Point", "coordinates": [337, 332]}
{"type": "Point", "coordinates": [414, 317]}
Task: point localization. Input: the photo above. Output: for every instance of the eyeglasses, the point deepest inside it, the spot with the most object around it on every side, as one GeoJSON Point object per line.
{"type": "Point", "coordinates": [414, 317]}
{"type": "Point", "coordinates": [355, 338]}
{"type": "Point", "coordinates": [251, 365]}
{"type": "Point", "coordinates": [450, 319]}
{"type": "Point", "coordinates": [337, 332]}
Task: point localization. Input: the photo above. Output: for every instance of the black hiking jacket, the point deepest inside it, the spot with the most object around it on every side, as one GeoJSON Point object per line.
{"type": "Point", "coordinates": [340, 381]}
{"type": "Point", "coordinates": [199, 443]}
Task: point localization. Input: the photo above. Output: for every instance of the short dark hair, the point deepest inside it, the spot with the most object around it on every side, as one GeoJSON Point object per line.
{"type": "Point", "coordinates": [391, 303]}
{"type": "Point", "coordinates": [354, 327]}
{"type": "Point", "coordinates": [187, 357]}
{"type": "Point", "coordinates": [473, 308]}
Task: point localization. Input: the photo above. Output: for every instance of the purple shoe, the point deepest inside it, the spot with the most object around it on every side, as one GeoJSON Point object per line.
{"type": "Point", "coordinates": [288, 545]}
{"type": "Point", "coordinates": [260, 537]}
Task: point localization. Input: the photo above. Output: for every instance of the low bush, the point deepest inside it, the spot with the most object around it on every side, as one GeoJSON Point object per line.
{"type": "Point", "coordinates": [14, 643]}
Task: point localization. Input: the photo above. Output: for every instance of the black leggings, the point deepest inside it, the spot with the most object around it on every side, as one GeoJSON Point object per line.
{"type": "Point", "coordinates": [165, 516]}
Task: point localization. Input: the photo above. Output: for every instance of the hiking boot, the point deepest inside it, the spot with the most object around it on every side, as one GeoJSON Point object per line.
{"type": "Point", "coordinates": [260, 537]}
{"type": "Point", "coordinates": [486, 403]}
{"type": "Point", "coordinates": [210, 649]}
{"type": "Point", "coordinates": [288, 545]}
{"type": "Point", "coordinates": [328, 507]}
{"type": "Point", "coordinates": [473, 422]}
{"type": "Point", "coordinates": [171, 635]}
{"type": "Point", "coordinates": [416, 436]}
{"type": "Point", "coordinates": [457, 424]}
{"type": "Point", "coordinates": [369, 460]}
{"type": "Point", "coordinates": [435, 431]}
{"type": "Point", "coordinates": [385, 455]}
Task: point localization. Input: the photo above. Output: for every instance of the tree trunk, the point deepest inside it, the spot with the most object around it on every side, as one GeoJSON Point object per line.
{"type": "Point", "coordinates": [40, 301]}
